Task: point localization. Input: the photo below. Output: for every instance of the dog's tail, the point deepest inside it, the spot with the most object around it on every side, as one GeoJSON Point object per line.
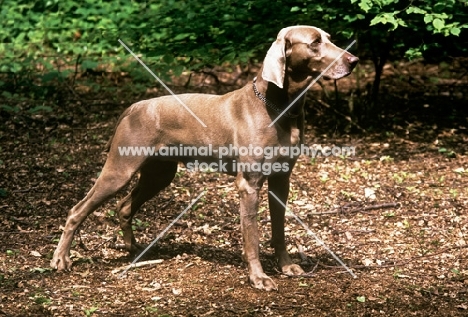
{"type": "Point", "coordinates": [123, 115]}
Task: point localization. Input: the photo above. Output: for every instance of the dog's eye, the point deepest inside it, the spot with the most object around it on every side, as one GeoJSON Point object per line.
{"type": "Point", "coordinates": [316, 41]}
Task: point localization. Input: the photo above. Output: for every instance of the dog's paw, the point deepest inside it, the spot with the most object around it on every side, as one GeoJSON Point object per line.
{"type": "Point", "coordinates": [61, 262]}
{"type": "Point", "coordinates": [262, 282]}
{"type": "Point", "coordinates": [292, 269]}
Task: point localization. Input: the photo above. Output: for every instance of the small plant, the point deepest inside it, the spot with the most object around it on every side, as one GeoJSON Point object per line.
{"type": "Point", "coordinates": [448, 153]}
{"type": "Point", "coordinates": [138, 224]}
{"type": "Point", "coordinates": [347, 194]}
{"type": "Point", "coordinates": [151, 309]}
{"type": "Point", "coordinates": [41, 300]}
{"type": "Point", "coordinates": [386, 159]}
{"type": "Point", "coordinates": [435, 243]}
{"type": "Point", "coordinates": [40, 270]}
{"type": "Point", "coordinates": [324, 178]}
{"type": "Point", "coordinates": [406, 224]}
{"type": "Point", "coordinates": [12, 252]}
{"type": "Point", "coordinates": [400, 177]}
{"type": "Point", "coordinates": [261, 210]}
{"type": "Point", "coordinates": [303, 284]}
{"type": "Point", "coordinates": [294, 195]}
{"type": "Point", "coordinates": [454, 193]}
{"type": "Point", "coordinates": [90, 311]}
{"type": "Point", "coordinates": [346, 177]}
{"type": "Point", "coordinates": [397, 273]}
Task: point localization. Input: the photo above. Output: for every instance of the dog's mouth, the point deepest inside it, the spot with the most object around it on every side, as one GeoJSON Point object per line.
{"type": "Point", "coordinates": [335, 75]}
{"type": "Point", "coordinates": [341, 70]}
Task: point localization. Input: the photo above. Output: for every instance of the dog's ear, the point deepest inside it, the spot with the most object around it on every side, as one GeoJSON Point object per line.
{"type": "Point", "coordinates": [275, 61]}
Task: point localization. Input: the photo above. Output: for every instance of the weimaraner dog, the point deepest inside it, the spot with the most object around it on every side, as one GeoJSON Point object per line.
{"type": "Point", "coordinates": [242, 118]}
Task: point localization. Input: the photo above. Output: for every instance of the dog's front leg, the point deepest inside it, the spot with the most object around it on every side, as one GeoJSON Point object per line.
{"type": "Point", "coordinates": [249, 185]}
{"type": "Point", "coordinates": [278, 184]}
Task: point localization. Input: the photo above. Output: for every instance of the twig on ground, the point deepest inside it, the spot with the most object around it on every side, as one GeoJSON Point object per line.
{"type": "Point", "coordinates": [167, 203]}
{"type": "Point", "coordinates": [113, 239]}
{"type": "Point", "coordinates": [398, 263]}
{"type": "Point", "coordinates": [362, 209]}
{"type": "Point", "coordinates": [136, 265]}
{"type": "Point", "coordinates": [308, 274]}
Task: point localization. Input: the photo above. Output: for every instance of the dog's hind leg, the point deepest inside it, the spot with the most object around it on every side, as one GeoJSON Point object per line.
{"type": "Point", "coordinates": [154, 176]}
{"type": "Point", "coordinates": [116, 173]}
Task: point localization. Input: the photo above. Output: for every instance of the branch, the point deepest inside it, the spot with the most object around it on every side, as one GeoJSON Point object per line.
{"type": "Point", "coordinates": [399, 263]}
{"type": "Point", "coordinates": [362, 209]}
{"type": "Point", "coordinates": [323, 103]}
{"type": "Point", "coordinates": [136, 265]}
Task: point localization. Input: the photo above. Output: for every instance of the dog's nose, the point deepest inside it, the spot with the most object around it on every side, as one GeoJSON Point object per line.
{"type": "Point", "coordinates": [353, 60]}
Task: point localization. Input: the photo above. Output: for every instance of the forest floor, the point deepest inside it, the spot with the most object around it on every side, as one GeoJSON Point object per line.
{"type": "Point", "coordinates": [395, 213]}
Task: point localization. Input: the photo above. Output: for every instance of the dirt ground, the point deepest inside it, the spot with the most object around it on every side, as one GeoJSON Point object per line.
{"type": "Point", "coordinates": [395, 213]}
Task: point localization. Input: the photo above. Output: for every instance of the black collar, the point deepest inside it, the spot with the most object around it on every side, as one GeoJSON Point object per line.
{"type": "Point", "coordinates": [270, 104]}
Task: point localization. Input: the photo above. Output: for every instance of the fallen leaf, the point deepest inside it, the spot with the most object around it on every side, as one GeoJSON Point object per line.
{"type": "Point", "coordinates": [369, 193]}
{"type": "Point", "coordinates": [36, 254]}
{"type": "Point", "coordinates": [367, 262]}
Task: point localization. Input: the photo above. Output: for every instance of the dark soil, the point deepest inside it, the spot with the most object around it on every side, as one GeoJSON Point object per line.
{"type": "Point", "coordinates": [410, 259]}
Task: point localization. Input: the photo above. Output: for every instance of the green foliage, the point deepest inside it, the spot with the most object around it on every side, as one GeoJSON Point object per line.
{"type": "Point", "coordinates": [419, 17]}
{"type": "Point", "coordinates": [44, 45]}
{"type": "Point", "coordinates": [177, 35]}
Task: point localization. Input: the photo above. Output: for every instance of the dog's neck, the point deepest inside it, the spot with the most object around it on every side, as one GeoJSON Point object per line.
{"type": "Point", "coordinates": [292, 87]}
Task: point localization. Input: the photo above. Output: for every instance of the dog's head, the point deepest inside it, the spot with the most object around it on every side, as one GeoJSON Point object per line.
{"type": "Point", "coordinates": [306, 49]}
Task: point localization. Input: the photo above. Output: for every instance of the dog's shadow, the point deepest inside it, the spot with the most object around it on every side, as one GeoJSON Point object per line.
{"type": "Point", "coordinates": [168, 250]}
